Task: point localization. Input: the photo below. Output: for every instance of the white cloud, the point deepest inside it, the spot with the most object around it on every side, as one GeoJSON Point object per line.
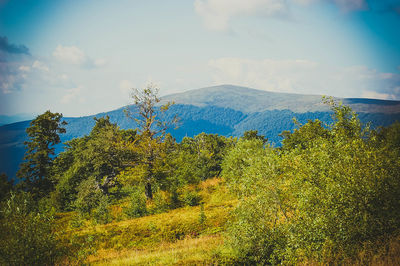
{"type": "Point", "coordinates": [307, 77]}
{"type": "Point", "coordinates": [11, 77]}
{"type": "Point", "coordinates": [40, 65]}
{"type": "Point", "coordinates": [70, 54]}
{"type": "Point", "coordinates": [73, 94]}
{"type": "Point", "coordinates": [75, 56]}
{"type": "Point", "coordinates": [218, 13]}
{"type": "Point", "coordinates": [7, 84]}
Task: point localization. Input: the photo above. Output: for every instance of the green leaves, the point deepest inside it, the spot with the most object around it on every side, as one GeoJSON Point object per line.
{"type": "Point", "coordinates": [328, 190]}
{"type": "Point", "coordinates": [26, 235]}
{"type": "Point", "coordinates": [43, 136]}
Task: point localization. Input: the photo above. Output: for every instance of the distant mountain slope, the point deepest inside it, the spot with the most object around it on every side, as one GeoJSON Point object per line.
{"type": "Point", "coordinates": [226, 110]}
{"type": "Point", "coordinates": [249, 100]}
{"type": "Point", "coordinates": [8, 119]}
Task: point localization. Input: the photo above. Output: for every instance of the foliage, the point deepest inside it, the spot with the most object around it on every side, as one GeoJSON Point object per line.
{"type": "Point", "coordinates": [330, 190]}
{"type": "Point", "coordinates": [201, 156]}
{"type": "Point", "coordinates": [192, 198]}
{"type": "Point", "coordinates": [137, 205]}
{"type": "Point", "coordinates": [26, 236]}
{"type": "Point", "coordinates": [101, 156]}
{"type": "Point", "coordinates": [152, 232]}
{"type": "Point", "coordinates": [101, 214]}
{"type": "Point", "coordinates": [88, 197]}
{"type": "Point", "coordinates": [5, 186]}
{"type": "Point", "coordinates": [327, 191]}
{"type": "Point", "coordinates": [43, 134]}
{"type": "Point", "coordinates": [152, 127]}
{"type": "Point", "coordinates": [253, 134]}
{"type": "Point", "coordinates": [304, 136]}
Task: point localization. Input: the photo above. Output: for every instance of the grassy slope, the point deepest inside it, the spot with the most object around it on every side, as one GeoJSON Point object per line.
{"type": "Point", "coordinates": [175, 237]}
{"type": "Point", "coordinates": [178, 237]}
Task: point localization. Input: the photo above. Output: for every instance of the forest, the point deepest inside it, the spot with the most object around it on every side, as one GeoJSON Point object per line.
{"type": "Point", "coordinates": [330, 194]}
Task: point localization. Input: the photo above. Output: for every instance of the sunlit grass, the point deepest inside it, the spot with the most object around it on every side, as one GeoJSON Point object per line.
{"type": "Point", "coordinates": [180, 236]}
{"type": "Point", "coordinates": [188, 251]}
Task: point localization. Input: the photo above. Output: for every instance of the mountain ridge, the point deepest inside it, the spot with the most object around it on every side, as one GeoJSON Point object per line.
{"type": "Point", "coordinates": [251, 100]}
{"type": "Point", "coordinates": [226, 110]}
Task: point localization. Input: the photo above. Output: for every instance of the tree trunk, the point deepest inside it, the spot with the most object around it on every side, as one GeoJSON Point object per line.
{"type": "Point", "coordinates": [148, 191]}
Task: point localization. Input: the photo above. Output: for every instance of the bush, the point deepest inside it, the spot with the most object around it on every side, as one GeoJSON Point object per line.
{"type": "Point", "coordinates": [27, 236]}
{"type": "Point", "coordinates": [319, 201]}
{"type": "Point", "coordinates": [102, 214]}
{"type": "Point", "coordinates": [137, 205]}
{"type": "Point", "coordinates": [89, 195]}
{"type": "Point", "coordinates": [192, 198]}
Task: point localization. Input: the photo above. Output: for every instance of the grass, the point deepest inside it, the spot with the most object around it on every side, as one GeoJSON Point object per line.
{"type": "Point", "coordinates": [180, 236]}
{"type": "Point", "coordinates": [188, 251]}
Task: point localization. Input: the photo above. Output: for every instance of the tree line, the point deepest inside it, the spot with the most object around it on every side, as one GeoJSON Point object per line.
{"type": "Point", "coordinates": [328, 190]}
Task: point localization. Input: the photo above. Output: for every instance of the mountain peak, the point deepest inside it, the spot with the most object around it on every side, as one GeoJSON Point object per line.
{"type": "Point", "coordinates": [248, 100]}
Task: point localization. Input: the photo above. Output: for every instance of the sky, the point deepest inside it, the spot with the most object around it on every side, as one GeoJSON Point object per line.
{"type": "Point", "coordinates": [82, 57]}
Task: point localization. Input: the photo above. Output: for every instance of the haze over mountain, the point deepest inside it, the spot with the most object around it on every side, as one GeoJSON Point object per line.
{"type": "Point", "coordinates": [226, 110]}
{"type": "Point", "coordinates": [8, 119]}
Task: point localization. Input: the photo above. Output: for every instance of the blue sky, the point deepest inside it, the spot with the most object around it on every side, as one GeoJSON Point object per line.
{"type": "Point", "coordinates": [82, 57]}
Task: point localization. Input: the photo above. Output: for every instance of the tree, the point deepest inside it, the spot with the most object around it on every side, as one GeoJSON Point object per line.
{"type": "Point", "coordinates": [330, 190]}
{"type": "Point", "coordinates": [253, 134]}
{"type": "Point", "coordinates": [102, 155]}
{"type": "Point", "coordinates": [43, 134]}
{"type": "Point", "coordinates": [152, 127]}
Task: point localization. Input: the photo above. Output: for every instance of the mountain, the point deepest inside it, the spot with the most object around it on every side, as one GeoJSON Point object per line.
{"type": "Point", "coordinates": [8, 119]}
{"type": "Point", "coordinates": [226, 110]}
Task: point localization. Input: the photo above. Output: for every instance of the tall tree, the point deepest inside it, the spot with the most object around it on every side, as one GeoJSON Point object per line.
{"type": "Point", "coordinates": [43, 134]}
{"type": "Point", "coordinates": [152, 126]}
{"type": "Point", "coordinates": [100, 157]}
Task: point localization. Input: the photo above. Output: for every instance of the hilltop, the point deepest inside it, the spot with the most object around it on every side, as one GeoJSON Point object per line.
{"type": "Point", "coordinates": [225, 110]}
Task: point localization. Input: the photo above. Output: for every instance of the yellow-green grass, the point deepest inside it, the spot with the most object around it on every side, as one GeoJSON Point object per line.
{"type": "Point", "coordinates": [189, 251]}
{"type": "Point", "coordinates": [180, 236]}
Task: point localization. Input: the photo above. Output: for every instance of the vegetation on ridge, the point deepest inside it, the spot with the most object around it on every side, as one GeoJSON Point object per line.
{"type": "Point", "coordinates": [330, 194]}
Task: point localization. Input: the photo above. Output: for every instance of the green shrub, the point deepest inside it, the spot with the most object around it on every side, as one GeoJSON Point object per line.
{"type": "Point", "coordinates": [102, 214]}
{"type": "Point", "coordinates": [137, 205]}
{"type": "Point", "coordinates": [89, 195]}
{"type": "Point", "coordinates": [27, 236]}
{"type": "Point", "coordinates": [161, 203]}
{"type": "Point", "coordinates": [319, 201]}
{"type": "Point", "coordinates": [192, 198]}
{"type": "Point", "coordinates": [174, 199]}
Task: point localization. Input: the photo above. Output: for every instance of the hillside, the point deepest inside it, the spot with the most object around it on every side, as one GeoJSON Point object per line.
{"type": "Point", "coordinates": [226, 110]}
